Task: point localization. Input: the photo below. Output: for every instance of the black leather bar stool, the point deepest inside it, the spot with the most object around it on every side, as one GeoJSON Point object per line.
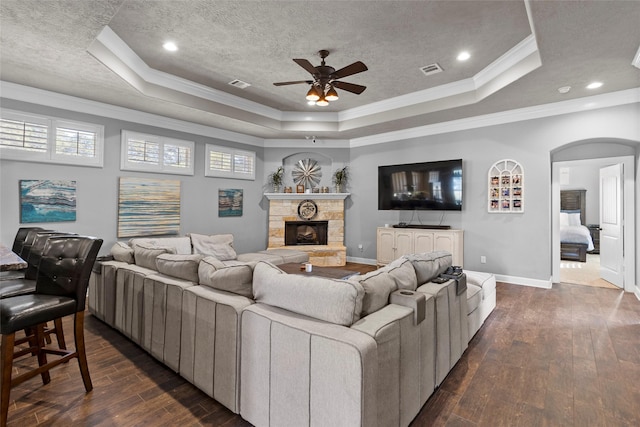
{"type": "Point", "coordinates": [27, 285]}
{"type": "Point", "coordinates": [18, 242]}
{"type": "Point", "coordinates": [61, 288]}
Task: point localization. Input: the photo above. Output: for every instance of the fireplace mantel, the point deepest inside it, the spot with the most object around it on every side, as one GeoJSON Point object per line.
{"type": "Point", "coordinates": [302, 196]}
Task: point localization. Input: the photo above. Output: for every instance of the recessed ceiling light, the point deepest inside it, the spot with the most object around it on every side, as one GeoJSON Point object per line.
{"type": "Point", "coordinates": [564, 89]}
{"type": "Point", "coordinates": [463, 56]}
{"type": "Point", "coordinates": [170, 46]}
{"type": "Point", "coordinates": [594, 85]}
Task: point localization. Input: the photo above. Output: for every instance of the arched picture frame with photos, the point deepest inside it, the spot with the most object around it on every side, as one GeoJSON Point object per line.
{"type": "Point", "coordinates": [505, 187]}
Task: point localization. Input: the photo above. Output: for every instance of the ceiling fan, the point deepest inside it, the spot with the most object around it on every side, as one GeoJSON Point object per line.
{"type": "Point", "coordinates": [326, 79]}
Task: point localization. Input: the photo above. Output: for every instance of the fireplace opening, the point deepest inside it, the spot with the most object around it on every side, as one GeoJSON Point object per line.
{"type": "Point", "coordinates": [305, 233]}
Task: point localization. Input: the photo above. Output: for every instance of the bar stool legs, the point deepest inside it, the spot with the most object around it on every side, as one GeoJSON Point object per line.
{"type": "Point", "coordinates": [37, 343]}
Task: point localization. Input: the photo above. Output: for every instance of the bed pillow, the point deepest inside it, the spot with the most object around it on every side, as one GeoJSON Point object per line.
{"type": "Point", "coordinates": [573, 219]}
{"type": "Point", "coordinates": [564, 219]}
{"type": "Point", "coordinates": [217, 245]}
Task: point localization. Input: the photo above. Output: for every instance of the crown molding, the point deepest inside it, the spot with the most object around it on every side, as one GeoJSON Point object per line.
{"type": "Point", "coordinates": [613, 99]}
{"type": "Point", "coordinates": [81, 105]}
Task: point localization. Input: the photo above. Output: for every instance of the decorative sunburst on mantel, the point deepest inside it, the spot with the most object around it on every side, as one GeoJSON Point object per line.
{"type": "Point", "coordinates": [307, 172]}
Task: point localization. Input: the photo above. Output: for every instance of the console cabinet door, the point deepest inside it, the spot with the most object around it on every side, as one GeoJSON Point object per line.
{"type": "Point", "coordinates": [385, 245]}
{"type": "Point", "coordinates": [424, 241]}
{"type": "Point", "coordinates": [403, 243]}
{"type": "Point", "coordinates": [392, 243]}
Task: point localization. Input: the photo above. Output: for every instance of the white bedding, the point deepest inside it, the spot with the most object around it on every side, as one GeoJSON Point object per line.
{"type": "Point", "coordinates": [576, 234]}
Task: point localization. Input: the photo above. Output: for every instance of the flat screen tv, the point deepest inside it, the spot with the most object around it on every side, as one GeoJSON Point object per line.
{"type": "Point", "coordinates": [421, 186]}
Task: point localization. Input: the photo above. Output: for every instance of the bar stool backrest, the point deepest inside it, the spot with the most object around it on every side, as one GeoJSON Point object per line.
{"type": "Point", "coordinates": [65, 267]}
{"type": "Point", "coordinates": [21, 236]}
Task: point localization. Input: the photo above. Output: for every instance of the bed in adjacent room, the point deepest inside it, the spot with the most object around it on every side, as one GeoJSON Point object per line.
{"type": "Point", "coordinates": [575, 238]}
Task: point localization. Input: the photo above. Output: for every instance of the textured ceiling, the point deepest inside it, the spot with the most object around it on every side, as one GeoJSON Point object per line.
{"type": "Point", "coordinates": [46, 45]}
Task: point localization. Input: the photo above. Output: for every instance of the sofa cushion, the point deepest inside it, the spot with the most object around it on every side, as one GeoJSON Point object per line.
{"type": "Point", "coordinates": [288, 255]}
{"type": "Point", "coordinates": [122, 252]}
{"type": "Point", "coordinates": [429, 264]}
{"type": "Point", "coordinates": [378, 285]}
{"type": "Point", "coordinates": [145, 256]}
{"type": "Point", "coordinates": [486, 281]}
{"type": "Point", "coordinates": [180, 245]}
{"type": "Point", "coordinates": [180, 266]}
{"type": "Point", "coordinates": [260, 256]}
{"type": "Point", "coordinates": [217, 245]}
{"type": "Point", "coordinates": [474, 297]}
{"type": "Point", "coordinates": [404, 273]}
{"type": "Point", "coordinates": [230, 276]}
{"type": "Point", "coordinates": [334, 301]}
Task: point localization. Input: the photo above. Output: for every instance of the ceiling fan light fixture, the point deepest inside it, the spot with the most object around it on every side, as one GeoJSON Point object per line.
{"type": "Point", "coordinates": [322, 102]}
{"type": "Point", "coordinates": [313, 94]}
{"type": "Point", "coordinates": [331, 95]}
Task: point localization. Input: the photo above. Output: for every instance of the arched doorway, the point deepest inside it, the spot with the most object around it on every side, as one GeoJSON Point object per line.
{"type": "Point", "coordinates": [590, 155]}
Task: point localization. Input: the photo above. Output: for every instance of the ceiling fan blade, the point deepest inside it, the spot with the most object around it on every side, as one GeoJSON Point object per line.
{"type": "Point", "coordinates": [355, 68]}
{"type": "Point", "coordinates": [349, 87]}
{"type": "Point", "coordinates": [306, 65]}
{"type": "Point", "coordinates": [293, 83]}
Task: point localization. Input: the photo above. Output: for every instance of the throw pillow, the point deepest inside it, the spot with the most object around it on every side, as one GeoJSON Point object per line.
{"type": "Point", "coordinates": [180, 266]}
{"type": "Point", "coordinates": [429, 265]}
{"type": "Point", "coordinates": [122, 252]}
{"type": "Point", "coordinates": [145, 256]}
{"type": "Point", "coordinates": [217, 245]}
{"type": "Point", "coordinates": [378, 285]}
{"type": "Point", "coordinates": [234, 278]}
{"type": "Point", "coordinates": [334, 301]}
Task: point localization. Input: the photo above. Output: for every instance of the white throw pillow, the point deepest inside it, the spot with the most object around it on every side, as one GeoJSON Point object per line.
{"type": "Point", "coordinates": [217, 245]}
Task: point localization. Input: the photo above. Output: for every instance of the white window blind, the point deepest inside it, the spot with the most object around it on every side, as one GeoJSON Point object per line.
{"type": "Point", "coordinates": [225, 162]}
{"type": "Point", "coordinates": [152, 153]}
{"type": "Point", "coordinates": [36, 138]}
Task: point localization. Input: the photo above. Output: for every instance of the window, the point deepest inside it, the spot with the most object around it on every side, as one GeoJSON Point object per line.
{"type": "Point", "coordinates": [31, 137]}
{"type": "Point", "coordinates": [151, 153]}
{"type": "Point", "coordinates": [225, 162]}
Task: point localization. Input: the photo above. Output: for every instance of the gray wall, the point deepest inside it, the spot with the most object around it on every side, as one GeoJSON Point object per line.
{"type": "Point", "coordinates": [517, 245]}
{"type": "Point", "coordinates": [97, 188]}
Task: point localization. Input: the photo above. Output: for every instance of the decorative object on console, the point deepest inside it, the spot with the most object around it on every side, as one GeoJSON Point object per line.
{"type": "Point", "coordinates": [230, 202]}
{"type": "Point", "coordinates": [505, 187]}
{"type": "Point", "coordinates": [307, 172]}
{"type": "Point", "coordinates": [307, 209]}
{"type": "Point", "coordinates": [340, 178]}
{"type": "Point", "coordinates": [299, 188]}
{"type": "Point", "coordinates": [148, 207]}
{"type": "Point", "coordinates": [275, 179]}
{"type": "Point", "coordinates": [47, 201]}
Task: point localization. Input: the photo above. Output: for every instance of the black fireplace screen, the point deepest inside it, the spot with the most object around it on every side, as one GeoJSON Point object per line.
{"type": "Point", "coordinates": [305, 233]}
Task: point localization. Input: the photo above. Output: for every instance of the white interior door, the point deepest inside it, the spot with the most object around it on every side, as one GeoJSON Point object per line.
{"type": "Point", "coordinates": [611, 224]}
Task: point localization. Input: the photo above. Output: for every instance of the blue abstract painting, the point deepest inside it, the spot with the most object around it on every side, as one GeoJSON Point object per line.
{"type": "Point", "coordinates": [47, 200]}
{"type": "Point", "coordinates": [230, 202]}
{"type": "Point", "coordinates": [148, 207]}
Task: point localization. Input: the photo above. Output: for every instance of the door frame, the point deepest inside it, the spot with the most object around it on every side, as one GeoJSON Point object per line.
{"type": "Point", "coordinates": [628, 215]}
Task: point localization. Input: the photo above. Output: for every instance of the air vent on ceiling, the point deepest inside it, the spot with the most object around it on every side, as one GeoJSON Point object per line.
{"type": "Point", "coordinates": [431, 69]}
{"type": "Point", "coordinates": [239, 84]}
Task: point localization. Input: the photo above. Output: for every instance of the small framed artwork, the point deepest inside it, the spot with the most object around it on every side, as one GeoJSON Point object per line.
{"type": "Point", "coordinates": [299, 188]}
{"type": "Point", "coordinates": [47, 200]}
{"type": "Point", "coordinates": [230, 202]}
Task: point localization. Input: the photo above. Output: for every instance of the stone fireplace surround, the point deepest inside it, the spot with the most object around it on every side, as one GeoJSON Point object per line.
{"type": "Point", "coordinates": [283, 207]}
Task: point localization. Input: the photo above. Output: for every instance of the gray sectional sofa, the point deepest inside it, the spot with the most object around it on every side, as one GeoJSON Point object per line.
{"type": "Point", "coordinates": [284, 349]}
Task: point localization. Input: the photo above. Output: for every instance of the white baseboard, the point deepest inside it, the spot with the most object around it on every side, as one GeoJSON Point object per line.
{"type": "Point", "coordinates": [637, 292]}
{"type": "Point", "coordinates": [361, 260]}
{"type": "Point", "coordinates": [536, 283]}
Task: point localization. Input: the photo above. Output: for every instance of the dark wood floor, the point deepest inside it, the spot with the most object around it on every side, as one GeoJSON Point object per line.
{"type": "Point", "coordinates": [560, 357]}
